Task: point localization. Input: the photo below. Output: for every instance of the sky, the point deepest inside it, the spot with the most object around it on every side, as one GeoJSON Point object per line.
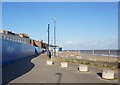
{"type": "Point", "coordinates": [60, 0]}
{"type": "Point", "coordinates": [79, 25]}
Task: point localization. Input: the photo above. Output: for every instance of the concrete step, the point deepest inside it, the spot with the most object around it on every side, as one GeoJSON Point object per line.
{"type": "Point", "coordinates": [64, 64]}
{"type": "Point", "coordinates": [83, 68]}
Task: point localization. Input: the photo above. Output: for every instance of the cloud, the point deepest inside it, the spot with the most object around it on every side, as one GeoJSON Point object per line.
{"type": "Point", "coordinates": [111, 43]}
{"type": "Point", "coordinates": [69, 42]}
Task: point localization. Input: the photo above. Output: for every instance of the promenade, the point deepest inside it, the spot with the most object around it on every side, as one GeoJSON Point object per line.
{"type": "Point", "coordinates": [35, 70]}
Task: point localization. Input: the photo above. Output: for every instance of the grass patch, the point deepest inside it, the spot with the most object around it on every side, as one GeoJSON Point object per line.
{"type": "Point", "coordinates": [88, 62]}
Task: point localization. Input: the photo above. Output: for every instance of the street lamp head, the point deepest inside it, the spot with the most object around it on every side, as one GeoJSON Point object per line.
{"type": "Point", "coordinates": [53, 18]}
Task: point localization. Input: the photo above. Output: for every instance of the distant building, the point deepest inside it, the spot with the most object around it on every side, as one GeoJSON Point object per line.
{"type": "Point", "coordinates": [58, 49]}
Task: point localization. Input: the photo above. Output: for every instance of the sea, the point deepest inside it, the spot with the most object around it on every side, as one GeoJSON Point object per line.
{"type": "Point", "coordinates": [112, 53]}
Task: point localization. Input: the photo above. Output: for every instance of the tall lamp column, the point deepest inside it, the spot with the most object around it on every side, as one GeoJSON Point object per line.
{"type": "Point", "coordinates": [54, 19]}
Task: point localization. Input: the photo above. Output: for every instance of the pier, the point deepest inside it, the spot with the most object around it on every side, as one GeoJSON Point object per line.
{"type": "Point", "coordinates": [35, 70]}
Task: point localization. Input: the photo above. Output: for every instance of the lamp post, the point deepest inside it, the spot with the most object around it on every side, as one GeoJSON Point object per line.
{"type": "Point", "coordinates": [48, 52]}
{"type": "Point", "coordinates": [48, 35]}
{"type": "Point", "coordinates": [54, 19]}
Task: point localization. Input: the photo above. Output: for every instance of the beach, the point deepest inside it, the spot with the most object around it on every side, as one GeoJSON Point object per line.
{"type": "Point", "coordinates": [83, 56]}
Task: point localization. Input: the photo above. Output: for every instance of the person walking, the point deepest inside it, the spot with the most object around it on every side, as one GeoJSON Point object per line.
{"type": "Point", "coordinates": [49, 54]}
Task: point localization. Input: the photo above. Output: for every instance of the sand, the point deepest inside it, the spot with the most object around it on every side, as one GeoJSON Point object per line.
{"type": "Point", "coordinates": [77, 55]}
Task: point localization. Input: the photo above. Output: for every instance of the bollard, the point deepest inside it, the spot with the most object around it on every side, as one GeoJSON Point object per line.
{"type": "Point", "coordinates": [49, 62]}
{"type": "Point", "coordinates": [83, 68]}
{"type": "Point", "coordinates": [64, 64]}
{"type": "Point", "coordinates": [108, 74]}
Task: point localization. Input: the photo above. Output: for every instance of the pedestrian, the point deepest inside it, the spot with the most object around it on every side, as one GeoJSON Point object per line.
{"type": "Point", "coordinates": [49, 54]}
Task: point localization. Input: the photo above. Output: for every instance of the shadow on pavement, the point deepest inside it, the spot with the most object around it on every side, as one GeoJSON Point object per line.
{"type": "Point", "coordinates": [59, 79]}
{"type": "Point", "coordinates": [16, 69]}
{"type": "Point", "coordinates": [100, 74]}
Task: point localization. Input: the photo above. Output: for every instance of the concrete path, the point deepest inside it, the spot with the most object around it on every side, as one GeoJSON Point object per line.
{"type": "Point", "coordinates": [37, 71]}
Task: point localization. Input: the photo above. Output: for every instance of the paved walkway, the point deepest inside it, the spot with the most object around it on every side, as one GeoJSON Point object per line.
{"type": "Point", "coordinates": [36, 71]}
